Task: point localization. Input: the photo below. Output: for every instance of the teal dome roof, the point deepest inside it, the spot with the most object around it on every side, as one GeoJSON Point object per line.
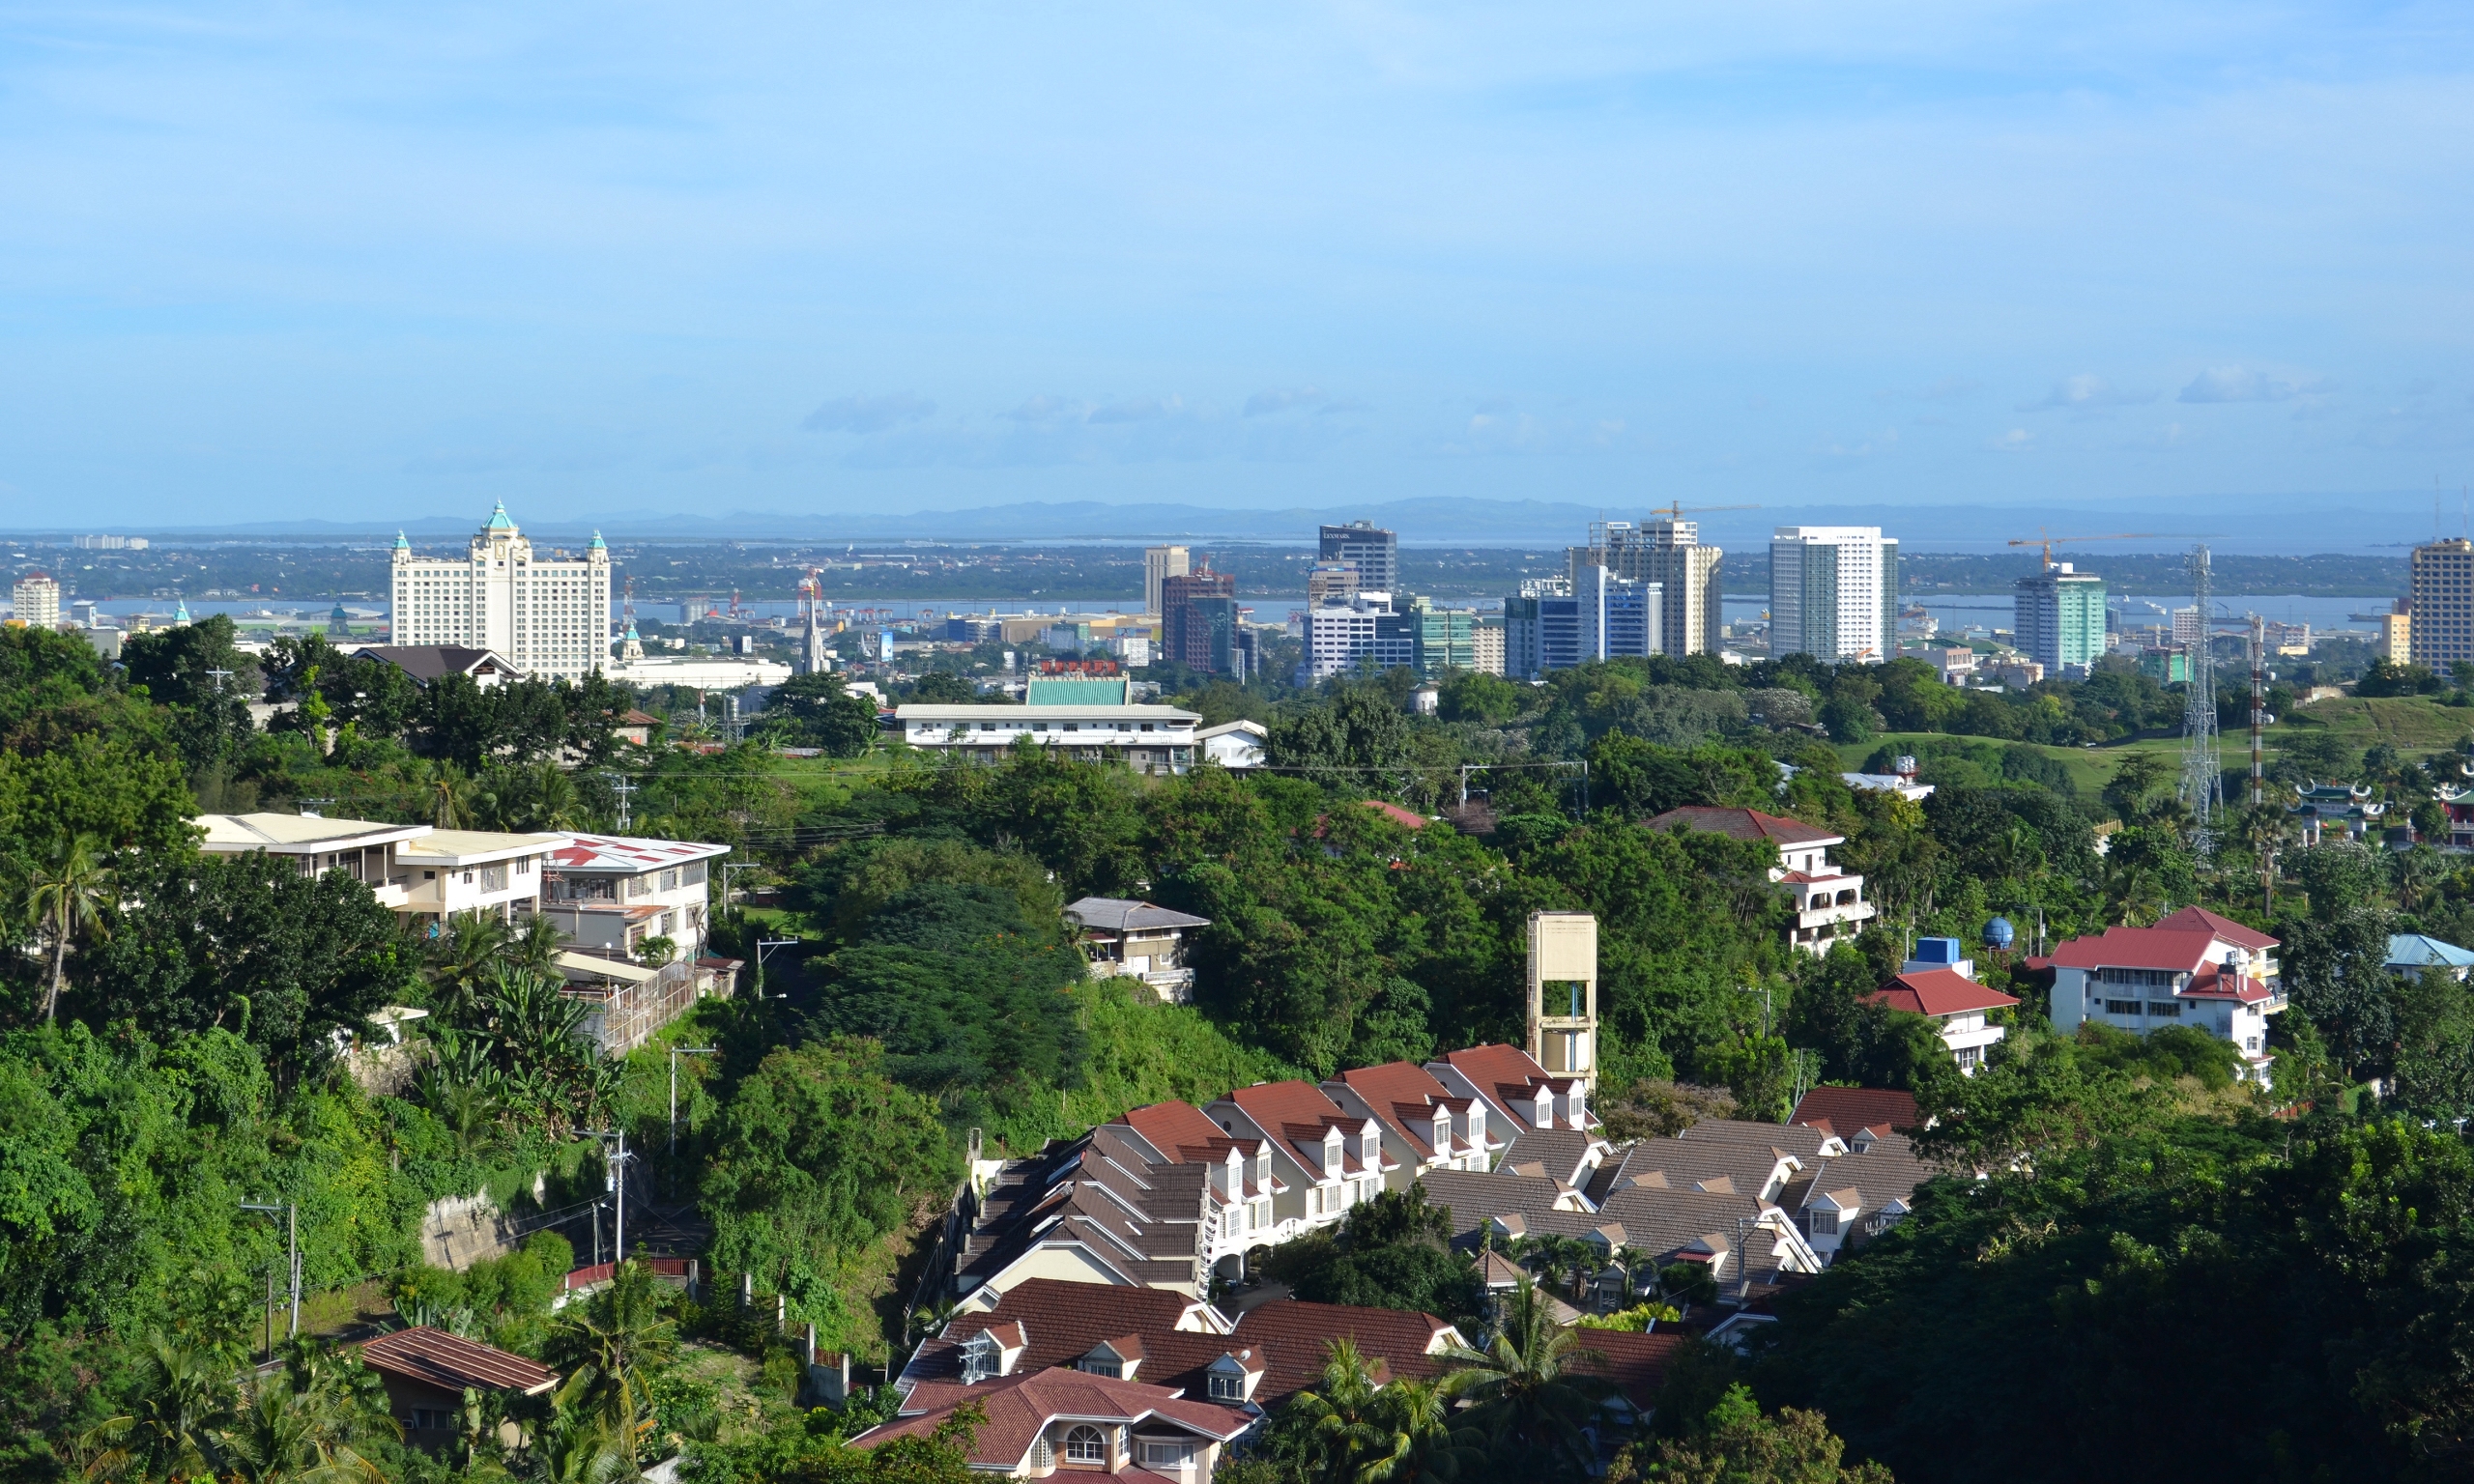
{"type": "Point", "coordinates": [499, 519]}
{"type": "Point", "coordinates": [401, 543]}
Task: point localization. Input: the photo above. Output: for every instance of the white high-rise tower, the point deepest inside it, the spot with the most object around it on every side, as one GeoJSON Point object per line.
{"type": "Point", "coordinates": [549, 618]}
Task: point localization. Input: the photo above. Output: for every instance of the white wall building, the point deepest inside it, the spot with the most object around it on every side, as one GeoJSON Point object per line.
{"type": "Point", "coordinates": [1833, 592]}
{"type": "Point", "coordinates": [612, 891]}
{"type": "Point", "coordinates": [36, 600]}
{"type": "Point", "coordinates": [1158, 564]}
{"type": "Point", "coordinates": [1149, 739]}
{"type": "Point", "coordinates": [1360, 629]}
{"type": "Point", "coordinates": [422, 873]}
{"type": "Point", "coordinates": [1235, 745]}
{"type": "Point", "coordinates": [552, 618]}
{"type": "Point", "coordinates": [2192, 968]}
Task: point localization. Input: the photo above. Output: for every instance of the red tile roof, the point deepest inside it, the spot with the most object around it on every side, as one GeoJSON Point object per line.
{"type": "Point", "coordinates": [1172, 1126]}
{"type": "Point", "coordinates": [1843, 1110]}
{"type": "Point", "coordinates": [2214, 983]}
{"type": "Point", "coordinates": [1403, 1095]}
{"type": "Point", "coordinates": [1939, 993]}
{"type": "Point", "coordinates": [1745, 824]}
{"type": "Point", "coordinates": [1637, 1363]}
{"type": "Point", "coordinates": [1407, 819]}
{"type": "Point", "coordinates": [2225, 927]}
{"type": "Point", "coordinates": [438, 1359]}
{"type": "Point", "coordinates": [1021, 1405]}
{"type": "Point", "coordinates": [2182, 950]}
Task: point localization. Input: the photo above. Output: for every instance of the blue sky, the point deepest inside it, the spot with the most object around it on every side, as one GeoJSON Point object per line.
{"type": "Point", "coordinates": [273, 261]}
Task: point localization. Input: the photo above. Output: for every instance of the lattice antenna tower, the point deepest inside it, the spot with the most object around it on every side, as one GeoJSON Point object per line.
{"type": "Point", "coordinates": [2202, 790]}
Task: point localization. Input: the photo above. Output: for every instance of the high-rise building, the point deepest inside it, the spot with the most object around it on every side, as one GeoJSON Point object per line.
{"type": "Point", "coordinates": [2443, 603]}
{"type": "Point", "coordinates": [1487, 647]}
{"type": "Point", "coordinates": [1330, 581]}
{"type": "Point", "coordinates": [2059, 618]}
{"type": "Point", "coordinates": [1833, 592]}
{"type": "Point", "coordinates": [1375, 552]}
{"type": "Point", "coordinates": [549, 618]}
{"type": "Point", "coordinates": [1158, 564]}
{"type": "Point", "coordinates": [1668, 553]}
{"type": "Point", "coordinates": [36, 600]}
{"type": "Point", "coordinates": [1598, 616]}
{"type": "Point", "coordinates": [1447, 639]}
{"type": "Point", "coordinates": [1198, 619]}
{"type": "Point", "coordinates": [1365, 632]}
{"type": "Point", "coordinates": [1525, 626]}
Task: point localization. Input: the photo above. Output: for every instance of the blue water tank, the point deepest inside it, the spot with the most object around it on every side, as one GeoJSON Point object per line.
{"type": "Point", "coordinates": [1998, 934]}
{"type": "Point", "coordinates": [1944, 953]}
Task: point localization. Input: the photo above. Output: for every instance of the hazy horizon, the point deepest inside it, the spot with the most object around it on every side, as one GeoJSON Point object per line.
{"type": "Point", "coordinates": [326, 262]}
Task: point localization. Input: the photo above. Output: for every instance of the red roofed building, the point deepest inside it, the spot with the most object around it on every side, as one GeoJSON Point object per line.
{"type": "Point", "coordinates": [1850, 1111]}
{"type": "Point", "coordinates": [612, 891]}
{"type": "Point", "coordinates": [1956, 1004]}
{"type": "Point", "coordinates": [1073, 1421]}
{"type": "Point", "coordinates": [2193, 968]}
{"type": "Point", "coordinates": [1830, 902]}
{"type": "Point", "coordinates": [1324, 1158]}
{"type": "Point", "coordinates": [1426, 1124]}
{"type": "Point", "coordinates": [1238, 1219]}
{"type": "Point", "coordinates": [426, 1372]}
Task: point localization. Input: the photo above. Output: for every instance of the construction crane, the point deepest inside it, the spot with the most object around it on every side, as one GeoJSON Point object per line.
{"type": "Point", "coordinates": [2049, 542]}
{"type": "Point", "coordinates": [1676, 512]}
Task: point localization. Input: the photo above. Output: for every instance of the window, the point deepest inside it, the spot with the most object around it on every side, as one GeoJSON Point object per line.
{"type": "Point", "coordinates": [694, 874]}
{"type": "Point", "coordinates": [2121, 1007]}
{"type": "Point", "coordinates": [523, 867]}
{"type": "Point", "coordinates": [670, 880]}
{"type": "Point", "coordinates": [1163, 1453]}
{"type": "Point", "coordinates": [1087, 1445]}
{"type": "Point", "coordinates": [640, 886]}
{"type": "Point", "coordinates": [1227, 1388]}
{"type": "Point", "coordinates": [494, 877]}
{"type": "Point", "coordinates": [2167, 1009]}
{"type": "Point", "coordinates": [1824, 1223]}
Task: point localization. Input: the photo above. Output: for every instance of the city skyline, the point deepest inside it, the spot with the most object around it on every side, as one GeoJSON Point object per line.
{"type": "Point", "coordinates": [271, 263]}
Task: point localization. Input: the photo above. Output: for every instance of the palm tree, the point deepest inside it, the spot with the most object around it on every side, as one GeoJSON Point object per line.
{"type": "Point", "coordinates": [613, 1345]}
{"type": "Point", "coordinates": [68, 892]}
{"type": "Point", "coordinates": [1412, 1437]}
{"type": "Point", "coordinates": [462, 958]}
{"type": "Point", "coordinates": [578, 1445]}
{"type": "Point", "coordinates": [454, 798]}
{"type": "Point", "coordinates": [536, 945]}
{"type": "Point", "coordinates": [1333, 1422]}
{"type": "Point", "coordinates": [1523, 1394]}
{"type": "Point", "coordinates": [311, 1422]}
{"type": "Point", "coordinates": [168, 1434]}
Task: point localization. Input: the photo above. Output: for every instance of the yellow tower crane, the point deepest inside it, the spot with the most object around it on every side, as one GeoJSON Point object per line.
{"type": "Point", "coordinates": [2048, 541]}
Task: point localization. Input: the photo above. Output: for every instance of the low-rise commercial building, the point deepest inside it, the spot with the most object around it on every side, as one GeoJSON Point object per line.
{"type": "Point", "coordinates": [1149, 739]}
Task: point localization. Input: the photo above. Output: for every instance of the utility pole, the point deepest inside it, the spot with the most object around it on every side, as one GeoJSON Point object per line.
{"type": "Point", "coordinates": [620, 785]}
{"type": "Point", "coordinates": [2258, 707]}
{"type": "Point", "coordinates": [2202, 785]}
{"type": "Point", "coordinates": [761, 945]}
{"type": "Point", "coordinates": [292, 1244]}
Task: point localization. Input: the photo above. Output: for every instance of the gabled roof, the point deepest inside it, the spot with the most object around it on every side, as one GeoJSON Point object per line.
{"type": "Point", "coordinates": [1405, 818]}
{"type": "Point", "coordinates": [426, 662]}
{"type": "Point", "coordinates": [2234, 933]}
{"type": "Point", "coordinates": [1939, 992]}
{"type": "Point", "coordinates": [1844, 1110]}
{"type": "Point", "coordinates": [1746, 824]}
{"type": "Point", "coordinates": [2180, 950]}
{"type": "Point", "coordinates": [434, 1357]}
{"type": "Point", "coordinates": [1295, 1114]}
{"type": "Point", "coordinates": [1403, 1096]}
{"type": "Point", "coordinates": [2420, 951]}
{"type": "Point", "coordinates": [1116, 914]}
{"type": "Point", "coordinates": [1637, 1363]}
{"type": "Point", "coordinates": [1505, 1076]}
{"type": "Point", "coordinates": [1021, 1407]}
{"type": "Point", "coordinates": [1138, 1220]}
{"type": "Point", "coordinates": [1177, 1131]}
{"type": "Point", "coordinates": [1255, 729]}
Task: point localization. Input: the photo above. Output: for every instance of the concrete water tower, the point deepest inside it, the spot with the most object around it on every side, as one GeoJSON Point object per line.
{"type": "Point", "coordinates": [1563, 993]}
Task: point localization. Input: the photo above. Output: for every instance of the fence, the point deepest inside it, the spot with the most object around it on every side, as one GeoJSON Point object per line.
{"type": "Point", "coordinates": [678, 1271]}
{"type": "Point", "coordinates": [629, 1004]}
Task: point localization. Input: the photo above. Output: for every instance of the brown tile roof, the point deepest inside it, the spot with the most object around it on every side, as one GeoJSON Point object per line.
{"type": "Point", "coordinates": [1170, 1128]}
{"type": "Point", "coordinates": [1658, 1222]}
{"type": "Point", "coordinates": [1286, 1339]}
{"type": "Point", "coordinates": [1563, 1153]}
{"type": "Point", "coordinates": [1142, 1219]}
{"type": "Point", "coordinates": [1021, 1405]}
{"type": "Point", "coordinates": [1637, 1363]}
{"type": "Point", "coordinates": [1403, 1096]}
{"type": "Point", "coordinates": [2225, 927]}
{"type": "Point", "coordinates": [1843, 1110]}
{"type": "Point", "coordinates": [1745, 824]}
{"type": "Point", "coordinates": [450, 1363]}
{"type": "Point", "coordinates": [1939, 992]}
{"type": "Point", "coordinates": [1505, 1077]}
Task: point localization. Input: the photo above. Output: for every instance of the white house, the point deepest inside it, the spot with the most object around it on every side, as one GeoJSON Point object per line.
{"type": "Point", "coordinates": [612, 891]}
{"type": "Point", "coordinates": [2192, 968]}
{"type": "Point", "coordinates": [1234, 745]}
{"type": "Point", "coordinates": [1940, 984]}
{"type": "Point", "coordinates": [425, 874]}
{"type": "Point", "coordinates": [1137, 940]}
{"type": "Point", "coordinates": [1324, 1158]}
{"type": "Point", "coordinates": [1830, 902]}
{"type": "Point", "coordinates": [1149, 739]}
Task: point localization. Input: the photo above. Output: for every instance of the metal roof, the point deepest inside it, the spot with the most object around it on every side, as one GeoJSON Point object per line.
{"type": "Point", "coordinates": [925, 713]}
{"type": "Point", "coordinates": [281, 833]}
{"type": "Point", "coordinates": [631, 853]}
{"type": "Point", "coordinates": [1116, 914]}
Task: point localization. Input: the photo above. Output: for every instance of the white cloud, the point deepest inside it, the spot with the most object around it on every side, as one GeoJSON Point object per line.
{"type": "Point", "coordinates": [2087, 392]}
{"type": "Point", "coordinates": [2016, 440]}
{"type": "Point", "coordinates": [2248, 384]}
{"type": "Point", "coordinates": [1263, 403]}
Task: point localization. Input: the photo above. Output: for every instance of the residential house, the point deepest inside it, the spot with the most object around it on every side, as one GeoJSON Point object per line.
{"type": "Point", "coordinates": [1137, 940]}
{"type": "Point", "coordinates": [427, 664]}
{"type": "Point", "coordinates": [425, 874]}
{"type": "Point", "coordinates": [1324, 1158]}
{"type": "Point", "coordinates": [1520, 1095]}
{"type": "Point", "coordinates": [1426, 1124]}
{"type": "Point", "coordinates": [1235, 745]}
{"type": "Point", "coordinates": [2416, 955]}
{"type": "Point", "coordinates": [426, 1372]}
{"type": "Point", "coordinates": [1037, 1423]}
{"type": "Point", "coordinates": [1649, 1221]}
{"type": "Point", "coordinates": [1847, 1201]}
{"type": "Point", "coordinates": [1258, 1360]}
{"type": "Point", "coordinates": [637, 726]}
{"type": "Point", "coordinates": [1098, 1209]}
{"type": "Point", "coordinates": [1237, 1221]}
{"type": "Point", "coordinates": [1940, 985]}
{"type": "Point", "coordinates": [612, 891]}
{"type": "Point", "coordinates": [2191, 968]}
{"type": "Point", "coordinates": [1848, 1112]}
{"type": "Point", "coordinates": [1830, 902]}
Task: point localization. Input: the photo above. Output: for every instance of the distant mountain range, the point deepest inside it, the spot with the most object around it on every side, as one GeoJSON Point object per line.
{"type": "Point", "coordinates": [2383, 524]}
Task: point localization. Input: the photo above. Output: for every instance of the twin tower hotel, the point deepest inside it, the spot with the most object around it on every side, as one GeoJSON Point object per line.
{"type": "Point", "coordinates": [551, 619]}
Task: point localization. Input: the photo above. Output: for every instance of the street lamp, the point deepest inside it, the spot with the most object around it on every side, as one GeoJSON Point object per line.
{"type": "Point", "coordinates": [292, 1242]}
{"type": "Point", "coordinates": [761, 945]}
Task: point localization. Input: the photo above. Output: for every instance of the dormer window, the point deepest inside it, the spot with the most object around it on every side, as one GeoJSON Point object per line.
{"type": "Point", "coordinates": [1087, 1445]}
